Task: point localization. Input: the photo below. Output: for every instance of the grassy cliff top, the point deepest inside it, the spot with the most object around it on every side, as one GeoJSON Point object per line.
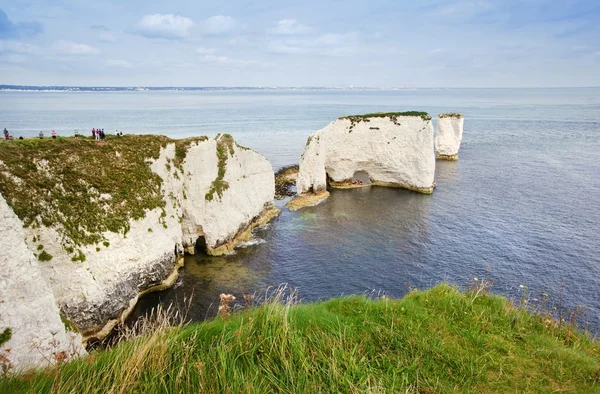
{"type": "Point", "coordinates": [423, 115]}
{"type": "Point", "coordinates": [450, 115]}
{"type": "Point", "coordinates": [436, 341]}
{"type": "Point", "coordinates": [85, 187]}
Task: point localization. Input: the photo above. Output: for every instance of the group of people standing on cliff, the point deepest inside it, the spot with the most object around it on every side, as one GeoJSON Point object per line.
{"type": "Point", "coordinates": [97, 134]}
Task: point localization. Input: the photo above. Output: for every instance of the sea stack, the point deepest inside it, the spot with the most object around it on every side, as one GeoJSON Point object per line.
{"type": "Point", "coordinates": [95, 225]}
{"type": "Point", "coordinates": [448, 136]}
{"type": "Point", "coordinates": [385, 149]}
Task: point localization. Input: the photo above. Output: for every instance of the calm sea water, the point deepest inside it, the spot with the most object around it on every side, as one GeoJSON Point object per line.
{"type": "Point", "coordinates": [520, 208]}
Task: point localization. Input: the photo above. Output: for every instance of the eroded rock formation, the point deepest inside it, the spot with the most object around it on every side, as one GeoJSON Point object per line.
{"type": "Point", "coordinates": [387, 149]}
{"type": "Point", "coordinates": [448, 136]}
{"type": "Point", "coordinates": [105, 232]}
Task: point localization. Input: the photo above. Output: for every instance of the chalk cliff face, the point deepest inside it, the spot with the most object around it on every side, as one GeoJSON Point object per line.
{"type": "Point", "coordinates": [27, 305]}
{"type": "Point", "coordinates": [393, 149]}
{"type": "Point", "coordinates": [448, 136]}
{"type": "Point", "coordinates": [208, 188]}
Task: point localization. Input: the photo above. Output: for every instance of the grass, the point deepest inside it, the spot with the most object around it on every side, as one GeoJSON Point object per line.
{"type": "Point", "coordinates": [44, 256]}
{"type": "Point", "coordinates": [422, 115]}
{"type": "Point", "coordinates": [224, 145]}
{"type": "Point", "coordinates": [435, 341]}
{"type": "Point", "coordinates": [84, 187]}
{"type": "Point", "coordinates": [450, 115]}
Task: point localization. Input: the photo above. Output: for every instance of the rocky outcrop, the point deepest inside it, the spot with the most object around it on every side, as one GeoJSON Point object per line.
{"type": "Point", "coordinates": [448, 136]}
{"type": "Point", "coordinates": [113, 238]}
{"type": "Point", "coordinates": [28, 309]}
{"type": "Point", "coordinates": [387, 149]}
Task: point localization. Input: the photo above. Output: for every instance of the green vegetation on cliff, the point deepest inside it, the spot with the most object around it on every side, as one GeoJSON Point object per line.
{"type": "Point", "coordinates": [84, 187]}
{"type": "Point", "coordinates": [450, 115]}
{"type": "Point", "coordinates": [224, 147]}
{"type": "Point", "coordinates": [393, 115]}
{"type": "Point", "coordinates": [355, 119]}
{"type": "Point", "coordinates": [436, 341]}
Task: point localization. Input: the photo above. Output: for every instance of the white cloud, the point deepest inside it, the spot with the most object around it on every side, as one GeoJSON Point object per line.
{"type": "Point", "coordinates": [214, 59]}
{"type": "Point", "coordinates": [118, 63]}
{"type": "Point", "coordinates": [63, 47]}
{"type": "Point", "coordinates": [164, 26]}
{"type": "Point", "coordinates": [107, 37]}
{"type": "Point", "coordinates": [332, 44]}
{"type": "Point", "coordinates": [18, 47]}
{"type": "Point", "coordinates": [219, 24]}
{"type": "Point", "coordinates": [290, 27]}
{"type": "Point", "coordinates": [205, 51]}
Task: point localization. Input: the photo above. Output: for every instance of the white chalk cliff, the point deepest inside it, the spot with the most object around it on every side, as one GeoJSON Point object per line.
{"type": "Point", "coordinates": [218, 193]}
{"type": "Point", "coordinates": [448, 136]}
{"type": "Point", "coordinates": [27, 305]}
{"type": "Point", "coordinates": [388, 149]}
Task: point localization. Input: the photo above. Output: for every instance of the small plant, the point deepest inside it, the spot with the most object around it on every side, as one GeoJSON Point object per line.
{"type": "Point", "coordinates": [106, 244]}
{"type": "Point", "coordinates": [450, 115]}
{"type": "Point", "coordinates": [44, 256]}
{"type": "Point", "coordinates": [79, 256]}
{"type": "Point", "coordinates": [5, 336]}
{"type": "Point", "coordinates": [40, 247]}
{"type": "Point", "coordinates": [149, 230]}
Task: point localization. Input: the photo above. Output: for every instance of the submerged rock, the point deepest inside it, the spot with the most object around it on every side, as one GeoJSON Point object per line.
{"type": "Point", "coordinates": [386, 149]}
{"type": "Point", "coordinates": [109, 221]}
{"type": "Point", "coordinates": [448, 136]}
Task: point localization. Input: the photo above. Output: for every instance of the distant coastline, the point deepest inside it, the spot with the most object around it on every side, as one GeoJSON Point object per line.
{"type": "Point", "coordinates": [52, 88]}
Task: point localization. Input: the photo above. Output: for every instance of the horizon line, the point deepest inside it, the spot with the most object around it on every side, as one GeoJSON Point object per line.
{"type": "Point", "coordinates": [348, 87]}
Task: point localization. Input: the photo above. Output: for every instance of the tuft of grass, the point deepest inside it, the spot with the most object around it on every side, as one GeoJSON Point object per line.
{"type": "Point", "coordinates": [5, 336]}
{"type": "Point", "coordinates": [450, 115]}
{"type": "Point", "coordinates": [78, 256]}
{"type": "Point", "coordinates": [439, 340]}
{"type": "Point", "coordinates": [44, 256]}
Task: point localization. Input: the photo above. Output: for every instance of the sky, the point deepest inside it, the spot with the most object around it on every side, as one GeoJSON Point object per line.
{"type": "Point", "coordinates": [330, 43]}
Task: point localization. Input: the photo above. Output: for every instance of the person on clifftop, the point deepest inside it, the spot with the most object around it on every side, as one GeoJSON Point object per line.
{"type": "Point", "coordinates": [53, 134]}
{"type": "Point", "coordinates": [41, 135]}
{"type": "Point", "coordinates": [76, 133]}
{"type": "Point", "coordinates": [94, 133]}
{"type": "Point", "coordinates": [6, 134]}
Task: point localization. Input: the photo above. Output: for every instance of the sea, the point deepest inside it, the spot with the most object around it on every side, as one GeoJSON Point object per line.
{"type": "Point", "coordinates": [520, 209]}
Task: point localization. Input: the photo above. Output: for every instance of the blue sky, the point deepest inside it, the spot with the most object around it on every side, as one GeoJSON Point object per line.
{"type": "Point", "coordinates": [431, 43]}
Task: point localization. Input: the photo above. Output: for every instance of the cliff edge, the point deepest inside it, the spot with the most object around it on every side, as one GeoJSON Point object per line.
{"type": "Point", "coordinates": [104, 222]}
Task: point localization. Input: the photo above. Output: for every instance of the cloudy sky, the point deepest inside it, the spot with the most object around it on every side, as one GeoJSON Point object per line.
{"type": "Point", "coordinates": [390, 43]}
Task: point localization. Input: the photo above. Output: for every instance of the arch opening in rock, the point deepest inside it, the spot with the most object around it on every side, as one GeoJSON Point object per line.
{"type": "Point", "coordinates": [200, 247]}
{"type": "Point", "coordinates": [361, 177]}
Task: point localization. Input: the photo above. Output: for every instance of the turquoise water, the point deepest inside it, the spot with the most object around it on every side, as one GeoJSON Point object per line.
{"type": "Point", "coordinates": [520, 207]}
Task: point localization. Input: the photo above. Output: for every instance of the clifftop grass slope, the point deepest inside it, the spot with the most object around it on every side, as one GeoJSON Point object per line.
{"type": "Point", "coordinates": [85, 187]}
{"type": "Point", "coordinates": [436, 341]}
